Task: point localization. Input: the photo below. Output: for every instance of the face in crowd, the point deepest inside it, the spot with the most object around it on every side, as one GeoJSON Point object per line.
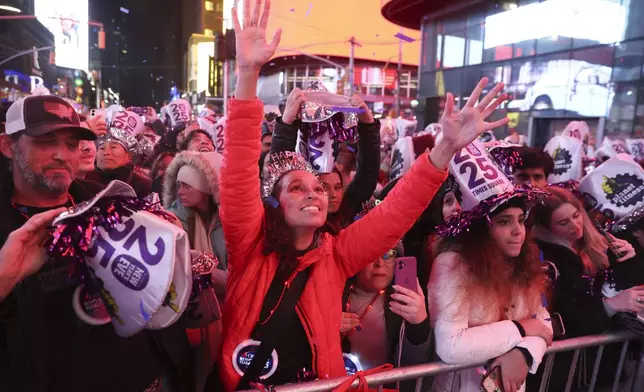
{"type": "Point", "coordinates": [48, 163]}
{"type": "Point", "coordinates": [534, 176]}
{"type": "Point", "coordinates": [332, 184]}
{"type": "Point", "coordinates": [303, 200]}
{"type": "Point", "coordinates": [163, 165]}
{"type": "Point", "coordinates": [267, 140]}
{"type": "Point", "coordinates": [200, 142]}
{"type": "Point", "coordinates": [112, 155]}
{"type": "Point", "coordinates": [88, 156]}
{"type": "Point", "coordinates": [507, 229]}
{"type": "Point", "coordinates": [379, 274]}
{"type": "Point", "coordinates": [451, 206]}
{"type": "Point", "coordinates": [567, 222]}
{"type": "Point", "coordinates": [190, 197]}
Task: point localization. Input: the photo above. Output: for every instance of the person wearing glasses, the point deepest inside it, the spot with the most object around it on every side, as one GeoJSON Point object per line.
{"type": "Point", "coordinates": [373, 313]}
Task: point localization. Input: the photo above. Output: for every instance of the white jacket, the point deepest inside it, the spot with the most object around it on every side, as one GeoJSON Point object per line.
{"type": "Point", "coordinates": [471, 328]}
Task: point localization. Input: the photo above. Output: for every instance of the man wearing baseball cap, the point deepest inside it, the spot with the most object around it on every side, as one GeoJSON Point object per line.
{"type": "Point", "coordinates": [43, 344]}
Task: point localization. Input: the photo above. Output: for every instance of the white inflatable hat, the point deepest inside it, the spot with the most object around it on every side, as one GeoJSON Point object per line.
{"type": "Point", "coordinates": [567, 153]}
{"type": "Point", "coordinates": [615, 187]}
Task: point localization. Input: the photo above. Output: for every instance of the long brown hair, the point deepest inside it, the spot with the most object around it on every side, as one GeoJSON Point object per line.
{"type": "Point", "coordinates": [487, 264]}
{"type": "Point", "coordinates": [593, 252]}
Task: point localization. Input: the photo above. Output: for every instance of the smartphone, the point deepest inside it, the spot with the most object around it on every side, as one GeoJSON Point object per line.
{"type": "Point", "coordinates": [405, 273]}
{"type": "Point", "coordinates": [558, 328]}
{"type": "Point", "coordinates": [493, 382]}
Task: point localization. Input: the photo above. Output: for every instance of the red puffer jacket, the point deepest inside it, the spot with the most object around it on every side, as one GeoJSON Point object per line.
{"type": "Point", "coordinates": [336, 259]}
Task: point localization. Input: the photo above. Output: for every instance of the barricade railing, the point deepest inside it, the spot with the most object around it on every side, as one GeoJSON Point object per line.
{"type": "Point", "coordinates": [576, 345]}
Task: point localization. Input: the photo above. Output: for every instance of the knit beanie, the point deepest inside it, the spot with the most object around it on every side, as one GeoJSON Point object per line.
{"type": "Point", "coordinates": [192, 176]}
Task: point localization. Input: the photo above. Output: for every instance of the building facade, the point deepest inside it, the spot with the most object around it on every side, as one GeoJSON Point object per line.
{"type": "Point", "coordinates": [560, 60]}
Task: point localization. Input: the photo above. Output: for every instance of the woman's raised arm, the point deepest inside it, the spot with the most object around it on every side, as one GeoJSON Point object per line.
{"type": "Point", "coordinates": [242, 210]}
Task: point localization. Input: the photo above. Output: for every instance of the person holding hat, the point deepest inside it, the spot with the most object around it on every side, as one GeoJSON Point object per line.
{"type": "Point", "coordinates": [275, 240]}
{"type": "Point", "coordinates": [46, 346]}
{"type": "Point", "coordinates": [485, 284]}
{"type": "Point", "coordinates": [345, 195]}
{"type": "Point", "coordinates": [114, 162]}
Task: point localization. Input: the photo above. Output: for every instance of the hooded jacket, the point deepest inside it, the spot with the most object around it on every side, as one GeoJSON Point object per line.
{"type": "Point", "coordinates": [337, 257]}
{"type": "Point", "coordinates": [208, 164]}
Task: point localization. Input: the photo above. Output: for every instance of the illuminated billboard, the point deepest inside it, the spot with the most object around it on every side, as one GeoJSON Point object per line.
{"type": "Point", "coordinates": [602, 21]}
{"type": "Point", "coordinates": [324, 28]}
{"type": "Point", "coordinates": [67, 21]}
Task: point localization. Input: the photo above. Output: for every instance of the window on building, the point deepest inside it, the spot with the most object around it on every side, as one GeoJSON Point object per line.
{"type": "Point", "coordinates": [209, 5]}
{"type": "Point", "coordinates": [622, 110]}
{"type": "Point", "coordinates": [209, 32]}
{"type": "Point", "coordinates": [628, 61]}
{"type": "Point", "coordinates": [474, 47]}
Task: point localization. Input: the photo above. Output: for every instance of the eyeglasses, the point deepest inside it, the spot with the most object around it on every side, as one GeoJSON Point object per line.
{"type": "Point", "coordinates": [390, 256]}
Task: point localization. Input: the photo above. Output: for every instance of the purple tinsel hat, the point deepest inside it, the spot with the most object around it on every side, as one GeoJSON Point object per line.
{"type": "Point", "coordinates": [340, 121]}
{"type": "Point", "coordinates": [484, 188]}
{"type": "Point", "coordinates": [505, 155]}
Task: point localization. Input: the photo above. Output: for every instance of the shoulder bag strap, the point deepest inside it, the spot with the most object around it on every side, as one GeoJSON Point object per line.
{"type": "Point", "coordinates": [273, 331]}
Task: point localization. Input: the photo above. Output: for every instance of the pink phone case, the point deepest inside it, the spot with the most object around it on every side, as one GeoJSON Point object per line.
{"type": "Point", "coordinates": [405, 272]}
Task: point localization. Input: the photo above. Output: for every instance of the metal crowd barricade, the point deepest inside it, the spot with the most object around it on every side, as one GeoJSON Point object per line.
{"type": "Point", "coordinates": [576, 345]}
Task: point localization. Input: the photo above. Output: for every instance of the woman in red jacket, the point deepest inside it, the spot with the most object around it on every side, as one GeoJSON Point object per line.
{"type": "Point", "coordinates": [271, 241]}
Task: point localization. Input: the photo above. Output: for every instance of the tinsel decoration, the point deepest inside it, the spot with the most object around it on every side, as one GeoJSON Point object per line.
{"type": "Point", "coordinates": [570, 185]}
{"type": "Point", "coordinates": [72, 238]}
{"type": "Point", "coordinates": [342, 127]}
{"type": "Point", "coordinates": [202, 265]}
{"type": "Point", "coordinates": [123, 137]}
{"type": "Point", "coordinates": [459, 223]}
{"type": "Point", "coordinates": [506, 154]}
{"type": "Point", "coordinates": [280, 164]}
{"type": "Point", "coordinates": [629, 221]}
{"type": "Point", "coordinates": [341, 123]}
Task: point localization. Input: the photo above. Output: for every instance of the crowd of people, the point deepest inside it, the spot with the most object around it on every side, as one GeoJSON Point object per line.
{"type": "Point", "coordinates": [309, 254]}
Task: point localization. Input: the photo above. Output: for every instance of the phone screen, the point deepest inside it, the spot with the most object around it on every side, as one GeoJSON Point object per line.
{"type": "Point", "coordinates": [493, 381]}
{"type": "Point", "coordinates": [558, 329]}
{"type": "Point", "coordinates": [405, 273]}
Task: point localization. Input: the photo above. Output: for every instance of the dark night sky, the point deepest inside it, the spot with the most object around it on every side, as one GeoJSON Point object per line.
{"type": "Point", "coordinates": [150, 34]}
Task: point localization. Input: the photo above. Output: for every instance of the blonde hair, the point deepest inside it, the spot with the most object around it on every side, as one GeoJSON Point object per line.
{"type": "Point", "coordinates": [595, 245]}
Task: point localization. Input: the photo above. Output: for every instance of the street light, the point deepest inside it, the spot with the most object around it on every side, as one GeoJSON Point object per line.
{"type": "Point", "coordinates": [10, 9]}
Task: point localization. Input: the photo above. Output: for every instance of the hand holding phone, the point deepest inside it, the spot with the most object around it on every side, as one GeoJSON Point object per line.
{"type": "Point", "coordinates": [513, 369]}
{"type": "Point", "coordinates": [493, 381]}
{"type": "Point", "coordinates": [408, 299]}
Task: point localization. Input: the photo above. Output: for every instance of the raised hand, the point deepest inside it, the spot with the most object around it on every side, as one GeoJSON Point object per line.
{"type": "Point", "coordinates": [252, 49]}
{"type": "Point", "coordinates": [293, 103]}
{"type": "Point", "coordinates": [367, 116]}
{"type": "Point", "coordinates": [461, 127]}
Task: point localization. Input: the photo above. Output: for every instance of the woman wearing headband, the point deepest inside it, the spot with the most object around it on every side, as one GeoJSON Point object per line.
{"type": "Point", "coordinates": [271, 239]}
